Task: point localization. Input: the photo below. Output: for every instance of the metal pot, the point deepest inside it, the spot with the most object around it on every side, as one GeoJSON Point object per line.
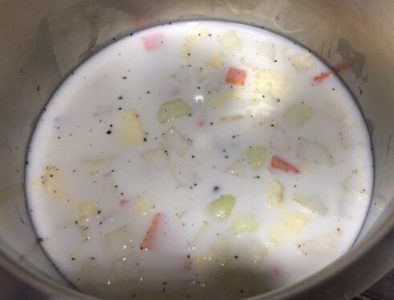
{"type": "Point", "coordinates": [42, 41]}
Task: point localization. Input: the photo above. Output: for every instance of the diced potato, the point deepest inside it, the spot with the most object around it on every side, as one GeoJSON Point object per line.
{"type": "Point", "coordinates": [172, 110]}
{"type": "Point", "coordinates": [176, 142]}
{"type": "Point", "coordinates": [256, 157]}
{"type": "Point", "coordinates": [288, 225]}
{"type": "Point", "coordinates": [218, 99]}
{"type": "Point", "coordinates": [128, 128]}
{"type": "Point", "coordinates": [183, 173]}
{"type": "Point", "coordinates": [230, 41]}
{"type": "Point", "coordinates": [270, 83]}
{"type": "Point", "coordinates": [88, 208]}
{"type": "Point", "coordinates": [313, 152]}
{"type": "Point", "coordinates": [222, 207]}
{"type": "Point", "coordinates": [298, 114]}
{"type": "Point", "coordinates": [302, 62]}
{"type": "Point", "coordinates": [85, 212]}
{"type": "Point", "coordinates": [275, 192]}
{"type": "Point", "coordinates": [116, 244]}
{"type": "Point", "coordinates": [156, 157]}
{"type": "Point", "coordinates": [216, 61]}
{"type": "Point", "coordinates": [237, 168]}
{"type": "Point", "coordinates": [190, 40]}
{"type": "Point", "coordinates": [244, 224]}
{"type": "Point", "coordinates": [311, 203]}
{"type": "Point", "coordinates": [51, 181]}
{"type": "Point", "coordinates": [320, 245]}
{"type": "Point", "coordinates": [144, 205]}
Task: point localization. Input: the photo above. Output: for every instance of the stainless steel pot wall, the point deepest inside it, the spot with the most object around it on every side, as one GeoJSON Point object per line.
{"type": "Point", "coordinates": [41, 41]}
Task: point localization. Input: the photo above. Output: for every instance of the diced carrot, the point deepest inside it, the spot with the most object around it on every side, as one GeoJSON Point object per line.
{"type": "Point", "coordinates": [150, 236]}
{"type": "Point", "coordinates": [324, 75]}
{"type": "Point", "coordinates": [236, 76]}
{"type": "Point", "coordinates": [123, 202]}
{"type": "Point", "coordinates": [280, 164]}
{"type": "Point", "coordinates": [152, 41]}
{"type": "Point", "coordinates": [321, 77]}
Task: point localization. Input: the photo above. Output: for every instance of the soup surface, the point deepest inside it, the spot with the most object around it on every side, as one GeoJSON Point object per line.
{"type": "Point", "coordinates": [198, 159]}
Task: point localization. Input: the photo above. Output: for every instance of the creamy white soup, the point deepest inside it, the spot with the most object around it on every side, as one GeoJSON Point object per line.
{"type": "Point", "coordinates": [198, 159]}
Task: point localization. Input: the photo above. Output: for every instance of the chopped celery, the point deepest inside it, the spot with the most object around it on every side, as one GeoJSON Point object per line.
{"type": "Point", "coordinates": [88, 208]}
{"type": "Point", "coordinates": [220, 98]}
{"type": "Point", "coordinates": [117, 243]}
{"type": "Point", "coordinates": [298, 114]}
{"type": "Point", "coordinates": [128, 128]}
{"type": "Point", "coordinates": [144, 205]}
{"type": "Point", "coordinates": [275, 192]}
{"type": "Point", "coordinates": [230, 41]}
{"type": "Point", "coordinates": [172, 110]}
{"type": "Point", "coordinates": [237, 168]}
{"type": "Point", "coordinates": [256, 157]}
{"type": "Point", "coordinates": [156, 157]}
{"type": "Point", "coordinates": [313, 152]}
{"type": "Point", "coordinates": [243, 224]}
{"type": "Point", "coordinates": [311, 203]}
{"type": "Point", "coordinates": [176, 142]}
{"type": "Point", "coordinates": [222, 207]}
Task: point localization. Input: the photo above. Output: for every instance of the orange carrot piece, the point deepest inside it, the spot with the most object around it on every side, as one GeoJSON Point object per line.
{"type": "Point", "coordinates": [280, 164]}
{"type": "Point", "coordinates": [324, 75]}
{"type": "Point", "coordinates": [321, 77]}
{"type": "Point", "coordinates": [123, 202]}
{"type": "Point", "coordinates": [235, 76]}
{"type": "Point", "coordinates": [147, 243]}
{"type": "Point", "coordinates": [152, 41]}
